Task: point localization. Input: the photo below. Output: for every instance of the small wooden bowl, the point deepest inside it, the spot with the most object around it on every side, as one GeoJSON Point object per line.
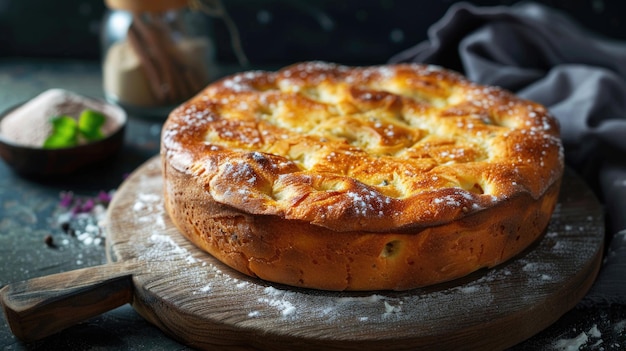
{"type": "Point", "coordinates": [34, 161]}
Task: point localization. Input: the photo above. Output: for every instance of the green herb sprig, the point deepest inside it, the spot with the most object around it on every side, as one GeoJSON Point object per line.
{"type": "Point", "coordinates": [67, 131]}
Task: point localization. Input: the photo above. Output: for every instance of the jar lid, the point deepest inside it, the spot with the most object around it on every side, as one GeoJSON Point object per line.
{"type": "Point", "coordinates": [146, 5]}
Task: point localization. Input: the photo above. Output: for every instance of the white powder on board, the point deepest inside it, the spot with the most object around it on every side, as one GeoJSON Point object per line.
{"type": "Point", "coordinates": [279, 299]}
{"type": "Point", "coordinates": [165, 244]}
{"type": "Point", "coordinates": [392, 309]}
{"type": "Point", "coordinates": [253, 314]}
{"type": "Point", "coordinates": [469, 289]}
{"type": "Point", "coordinates": [148, 203]}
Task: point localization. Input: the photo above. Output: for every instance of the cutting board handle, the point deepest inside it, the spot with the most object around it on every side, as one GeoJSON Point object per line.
{"type": "Point", "coordinates": [42, 306]}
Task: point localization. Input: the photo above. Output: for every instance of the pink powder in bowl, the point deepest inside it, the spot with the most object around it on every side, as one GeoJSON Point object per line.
{"type": "Point", "coordinates": [29, 124]}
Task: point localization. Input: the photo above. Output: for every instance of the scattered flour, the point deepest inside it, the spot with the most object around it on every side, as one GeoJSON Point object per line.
{"type": "Point", "coordinates": [573, 344]}
{"type": "Point", "coordinates": [149, 203]}
{"type": "Point", "coordinates": [590, 338]}
{"type": "Point", "coordinates": [279, 299]}
{"type": "Point", "coordinates": [391, 309]}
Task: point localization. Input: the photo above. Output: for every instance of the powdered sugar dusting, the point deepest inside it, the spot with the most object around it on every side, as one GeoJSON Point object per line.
{"type": "Point", "coordinates": [447, 200]}
{"type": "Point", "coordinates": [366, 202]}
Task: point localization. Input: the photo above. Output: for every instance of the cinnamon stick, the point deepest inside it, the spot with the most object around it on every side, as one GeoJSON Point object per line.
{"type": "Point", "coordinates": [148, 65]}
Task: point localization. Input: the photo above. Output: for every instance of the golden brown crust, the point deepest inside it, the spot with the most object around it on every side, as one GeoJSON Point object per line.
{"type": "Point", "coordinates": [393, 172]}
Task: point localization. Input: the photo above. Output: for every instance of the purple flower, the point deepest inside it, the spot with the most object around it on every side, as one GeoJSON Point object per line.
{"type": "Point", "coordinates": [87, 205]}
{"type": "Point", "coordinates": [104, 197]}
{"type": "Point", "coordinates": [67, 198]}
{"type": "Point", "coordinates": [77, 207]}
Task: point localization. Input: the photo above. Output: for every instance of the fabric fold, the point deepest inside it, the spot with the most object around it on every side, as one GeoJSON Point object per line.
{"type": "Point", "coordinates": [541, 54]}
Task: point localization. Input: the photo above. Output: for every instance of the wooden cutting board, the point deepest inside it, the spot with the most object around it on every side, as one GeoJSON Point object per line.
{"type": "Point", "coordinates": [197, 300]}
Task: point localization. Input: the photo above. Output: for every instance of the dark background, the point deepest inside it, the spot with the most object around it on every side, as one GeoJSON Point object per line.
{"type": "Point", "coordinates": [274, 31]}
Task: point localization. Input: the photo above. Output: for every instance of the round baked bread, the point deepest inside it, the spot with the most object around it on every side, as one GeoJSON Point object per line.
{"type": "Point", "coordinates": [360, 178]}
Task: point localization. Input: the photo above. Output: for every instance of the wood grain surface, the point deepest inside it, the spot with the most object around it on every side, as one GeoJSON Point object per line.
{"type": "Point", "coordinates": [199, 301]}
{"type": "Point", "coordinates": [202, 303]}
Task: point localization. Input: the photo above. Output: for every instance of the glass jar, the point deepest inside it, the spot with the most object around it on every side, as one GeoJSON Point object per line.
{"type": "Point", "coordinates": [156, 54]}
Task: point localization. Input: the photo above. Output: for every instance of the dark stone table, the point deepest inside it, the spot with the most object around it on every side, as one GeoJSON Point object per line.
{"type": "Point", "coordinates": [35, 242]}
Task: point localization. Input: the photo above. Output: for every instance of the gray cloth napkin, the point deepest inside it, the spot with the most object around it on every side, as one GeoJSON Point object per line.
{"type": "Point", "coordinates": [543, 55]}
